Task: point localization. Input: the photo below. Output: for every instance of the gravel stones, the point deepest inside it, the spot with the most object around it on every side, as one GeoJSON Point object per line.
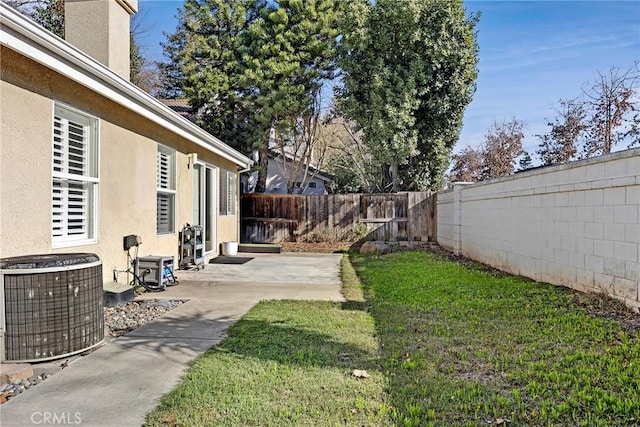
{"type": "Point", "coordinates": [125, 318]}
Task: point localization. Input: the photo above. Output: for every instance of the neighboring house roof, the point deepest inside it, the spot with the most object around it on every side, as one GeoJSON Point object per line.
{"type": "Point", "coordinates": [22, 35]}
{"type": "Point", "coordinates": [320, 174]}
{"type": "Point", "coordinates": [182, 107]}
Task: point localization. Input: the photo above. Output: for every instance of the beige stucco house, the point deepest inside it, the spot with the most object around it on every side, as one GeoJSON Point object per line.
{"type": "Point", "coordinates": [86, 157]}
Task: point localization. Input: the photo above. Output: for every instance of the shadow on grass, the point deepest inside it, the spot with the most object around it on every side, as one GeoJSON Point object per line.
{"type": "Point", "coordinates": [356, 305]}
{"type": "Point", "coordinates": [296, 346]}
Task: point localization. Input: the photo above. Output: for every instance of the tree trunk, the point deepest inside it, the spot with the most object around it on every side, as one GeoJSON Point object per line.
{"type": "Point", "coordinates": [394, 176]}
{"type": "Point", "coordinates": [263, 165]}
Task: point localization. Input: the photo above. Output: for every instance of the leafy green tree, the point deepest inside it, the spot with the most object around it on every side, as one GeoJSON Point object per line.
{"type": "Point", "coordinates": [409, 69]}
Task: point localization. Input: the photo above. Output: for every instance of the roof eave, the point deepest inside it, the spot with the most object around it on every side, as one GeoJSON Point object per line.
{"type": "Point", "coordinates": [29, 39]}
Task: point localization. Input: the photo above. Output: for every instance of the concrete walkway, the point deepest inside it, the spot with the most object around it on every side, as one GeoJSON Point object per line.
{"type": "Point", "coordinates": [121, 382]}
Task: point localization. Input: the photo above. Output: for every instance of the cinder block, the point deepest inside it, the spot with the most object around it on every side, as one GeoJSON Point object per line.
{"type": "Point", "coordinates": [593, 230]}
{"type": "Point", "coordinates": [561, 257]}
{"type": "Point", "coordinates": [584, 214]}
{"type": "Point", "coordinates": [535, 201]}
{"type": "Point", "coordinates": [594, 171]}
{"type": "Point", "coordinates": [603, 248]}
{"type": "Point", "coordinates": [632, 233]}
{"type": "Point", "coordinates": [584, 277]}
{"type": "Point", "coordinates": [633, 194]}
{"type": "Point", "coordinates": [614, 232]}
{"type": "Point", "coordinates": [624, 181]}
{"type": "Point", "coordinates": [603, 213]}
{"type": "Point", "coordinates": [614, 267]}
{"type": "Point", "coordinates": [562, 177]}
{"type": "Point", "coordinates": [594, 197]}
{"type": "Point", "coordinates": [632, 270]}
{"type": "Point", "coordinates": [633, 166]}
{"type": "Point", "coordinates": [594, 263]}
{"type": "Point", "coordinates": [569, 274]}
{"type": "Point", "coordinates": [626, 214]}
{"type": "Point", "coordinates": [625, 288]}
{"type": "Point", "coordinates": [615, 169]}
{"type": "Point", "coordinates": [584, 246]}
{"type": "Point", "coordinates": [603, 282]}
{"type": "Point", "coordinates": [576, 229]}
{"type": "Point", "coordinates": [577, 175]}
{"type": "Point", "coordinates": [576, 198]}
{"type": "Point", "coordinates": [560, 228]}
{"type": "Point", "coordinates": [576, 260]}
{"type": "Point", "coordinates": [14, 372]}
{"type": "Point", "coordinates": [568, 244]}
{"type": "Point", "coordinates": [625, 251]}
{"type": "Point", "coordinates": [561, 199]}
{"type": "Point", "coordinates": [614, 196]}
{"type": "Point", "coordinates": [569, 213]}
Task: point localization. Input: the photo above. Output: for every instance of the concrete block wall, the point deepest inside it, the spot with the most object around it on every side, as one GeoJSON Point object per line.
{"type": "Point", "coordinates": [576, 225]}
{"type": "Point", "coordinates": [444, 219]}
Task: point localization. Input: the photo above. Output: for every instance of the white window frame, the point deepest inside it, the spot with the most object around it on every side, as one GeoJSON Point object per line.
{"type": "Point", "coordinates": [228, 192]}
{"type": "Point", "coordinates": [165, 189]}
{"type": "Point", "coordinates": [75, 177]}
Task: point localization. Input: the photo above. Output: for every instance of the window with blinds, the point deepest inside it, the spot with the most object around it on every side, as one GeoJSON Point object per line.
{"type": "Point", "coordinates": [228, 192]}
{"type": "Point", "coordinates": [166, 189]}
{"type": "Point", "coordinates": [74, 177]}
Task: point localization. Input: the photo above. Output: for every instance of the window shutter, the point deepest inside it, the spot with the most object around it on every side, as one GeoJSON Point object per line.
{"type": "Point", "coordinates": [165, 213]}
{"type": "Point", "coordinates": [70, 197]}
{"type": "Point", "coordinates": [165, 183]}
{"type": "Point", "coordinates": [227, 192]}
{"type": "Point", "coordinates": [163, 170]}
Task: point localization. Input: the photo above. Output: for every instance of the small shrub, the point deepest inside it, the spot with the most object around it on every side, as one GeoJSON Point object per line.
{"type": "Point", "coordinates": [325, 235]}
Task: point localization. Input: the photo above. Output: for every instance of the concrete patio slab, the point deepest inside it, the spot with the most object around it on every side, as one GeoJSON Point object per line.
{"type": "Point", "coordinates": [118, 384]}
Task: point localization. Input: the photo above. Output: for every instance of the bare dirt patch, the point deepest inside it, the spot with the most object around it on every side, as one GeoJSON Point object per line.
{"type": "Point", "coordinates": [319, 247]}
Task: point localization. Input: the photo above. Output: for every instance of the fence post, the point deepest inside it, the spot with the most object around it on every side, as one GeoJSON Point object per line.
{"type": "Point", "coordinates": [457, 216]}
{"type": "Point", "coordinates": [418, 215]}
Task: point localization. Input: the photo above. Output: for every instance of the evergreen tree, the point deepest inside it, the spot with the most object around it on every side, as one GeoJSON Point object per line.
{"type": "Point", "coordinates": [525, 162]}
{"type": "Point", "coordinates": [50, 14]}
{"type": "Point", "coordinates": [251, 67]}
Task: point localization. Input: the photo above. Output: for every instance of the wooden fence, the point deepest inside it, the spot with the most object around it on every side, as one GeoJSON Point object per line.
{"type": "Point", "coordinates": [274, 218]}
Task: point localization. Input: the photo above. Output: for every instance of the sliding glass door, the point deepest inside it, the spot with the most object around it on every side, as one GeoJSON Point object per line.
{"type": "Point", "coordinates": [204, 202]}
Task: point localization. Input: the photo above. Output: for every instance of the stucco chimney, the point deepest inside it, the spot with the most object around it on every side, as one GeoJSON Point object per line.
{"type": "Point", "coordinates": [100, 28]}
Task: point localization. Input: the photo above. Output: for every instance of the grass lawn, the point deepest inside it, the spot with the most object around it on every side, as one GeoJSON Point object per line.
{"type": "Point", "coordinates": [286, 363]}
{"type": "Point", "coordinates": [464, 346]}
{"type": "Point", "coordinates": [445, 344]}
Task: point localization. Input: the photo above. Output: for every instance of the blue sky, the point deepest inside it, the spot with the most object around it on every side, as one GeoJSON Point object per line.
{"type": "Point", "coordinates": [532, 54]}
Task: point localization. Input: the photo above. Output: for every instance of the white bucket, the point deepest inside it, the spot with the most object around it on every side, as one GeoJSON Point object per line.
{"type": "Point", "coordinates": [230, 248]}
